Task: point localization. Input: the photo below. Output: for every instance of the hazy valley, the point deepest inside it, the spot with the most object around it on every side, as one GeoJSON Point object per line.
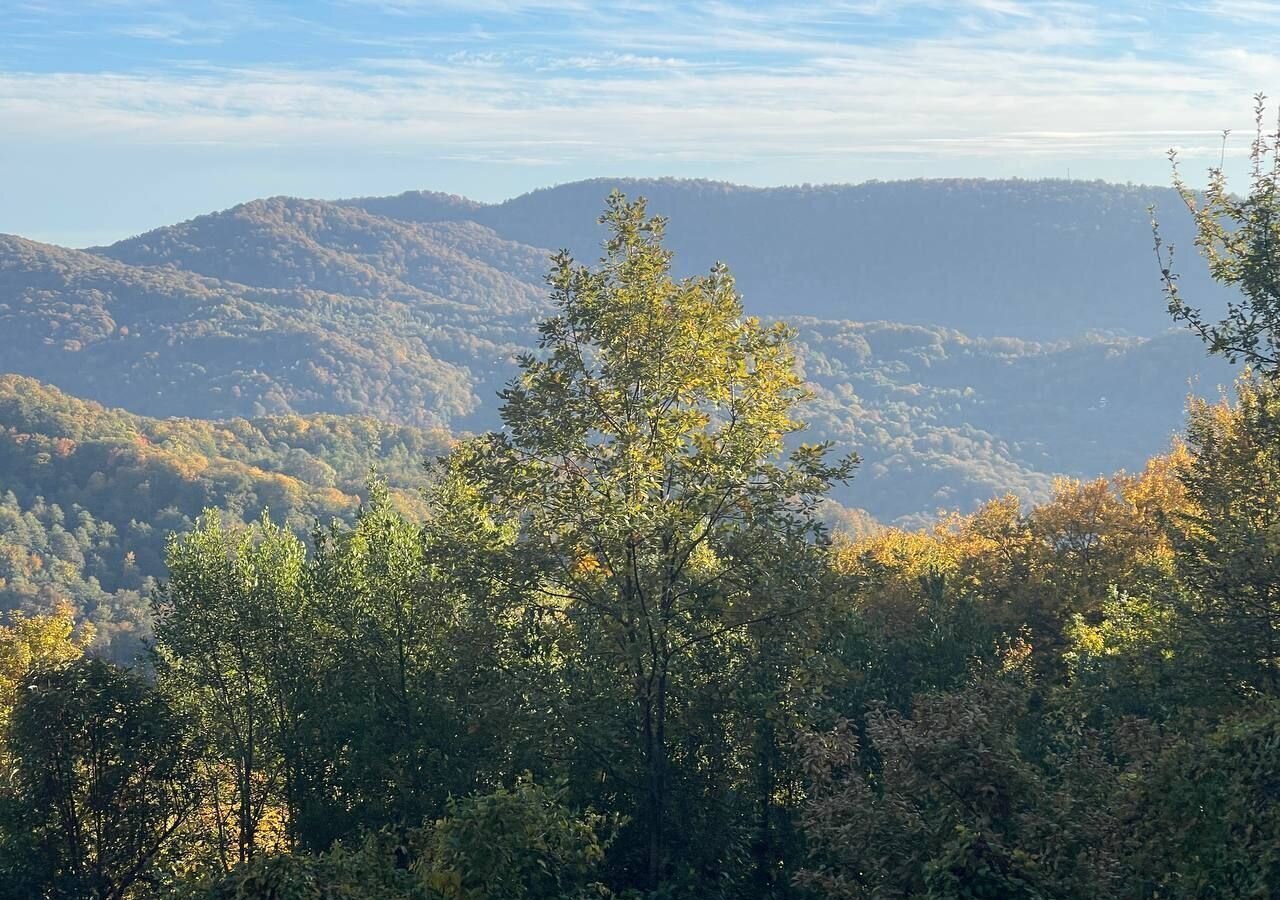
{"type": "Point", "coordinates": [966, 338]}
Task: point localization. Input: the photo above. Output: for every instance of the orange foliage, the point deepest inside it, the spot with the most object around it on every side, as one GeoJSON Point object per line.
{"type": "Point", "coordinates": [1037, 568]}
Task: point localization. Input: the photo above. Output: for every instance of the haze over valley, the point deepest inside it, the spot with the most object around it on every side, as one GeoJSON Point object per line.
{"type": "Point", "coordinates": [967, 338]}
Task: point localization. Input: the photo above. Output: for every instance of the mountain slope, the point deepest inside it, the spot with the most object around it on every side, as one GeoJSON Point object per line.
{"type": "Point", "coordinates": [448, 268]}
{"type": "Point", "coordinates": [412, 309]}
{"type": "Point", "coordinates": [943, 420]}
{"type": "Point", "coordinates": [89, 495]}
{"type": "Point", "coordinates": [163, 341]}
{"type": "Point", "coordinates": [1034, 259]}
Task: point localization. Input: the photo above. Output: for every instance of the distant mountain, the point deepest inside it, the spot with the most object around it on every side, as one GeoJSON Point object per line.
{"type": "Point", "coordinates": [944, 420]}
{"type": "Point", "coordinates": [412, 309]}
{"type": "Point", "coordinates": [163, 340]}
{"type": "Point", "coordinates": [1037, 259]}
{"type": "Point", "coordinates": [446, 268]}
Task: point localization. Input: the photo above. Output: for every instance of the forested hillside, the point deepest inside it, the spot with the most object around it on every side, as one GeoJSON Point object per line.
{"type": "Point", "coordinates": [288, 243]}
{"type": "Point", "coordinates": [945, 421]}
{"type": "Point", "coordinates": [89, 495]}
{"type": "Point", "coordinates": [164, 341]}
{"type": "Point", "coordinates": [281, 320]}
{"type": "Point", "coordinates": [413, 309]}
{"type": "Point", "coordinates": [1033, 259]}
{"type": "Point", "coordinates": [940, 420]}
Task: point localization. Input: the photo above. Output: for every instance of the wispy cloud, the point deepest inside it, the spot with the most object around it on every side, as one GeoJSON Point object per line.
{"type": "Point", "coordinates": [1253, 12]}
{"type": "Point", "coordinates": [808, 90]}
{"type": "Point", "coordinates": [776, 86]}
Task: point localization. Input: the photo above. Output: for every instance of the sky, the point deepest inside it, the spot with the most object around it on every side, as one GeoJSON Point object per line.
{"type": "Point", "coordinates": [117, 116]}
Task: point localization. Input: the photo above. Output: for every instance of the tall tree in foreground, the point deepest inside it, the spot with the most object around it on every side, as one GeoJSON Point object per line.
{"type": "Point", "coordinates": [30, 644]}
{"type": "Point", "coordinates": [407, 712]}
{"type": "Point", "coordinates": [106, 775]}
{"type": "Point", "coordinates": [1229, 545]}
{"type": "Point", "coordinates": [643, 458]}
{"type": "Point", "coordinates": [231, 647]}
{"type": "Point", "coordinates": [1228, 541]}
{"type": "Point", "coordinates": [1240, 237]}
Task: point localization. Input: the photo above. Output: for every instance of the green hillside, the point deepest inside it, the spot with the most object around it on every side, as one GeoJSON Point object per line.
{"type": "Point", "coordinates": [89, 495]}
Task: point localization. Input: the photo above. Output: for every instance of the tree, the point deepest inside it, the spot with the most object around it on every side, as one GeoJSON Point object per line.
{"type": "Point", "coordinates": [367, 871]}
{"type": "Point", "coordinates": [954, 801]}
{"type": "Point", "coordinates": [31, 644]}
{"type": "Point", "coordinates": [406, 713]}
{"type": "Point", "coordinates": [28, 645]}
{"type": "Point", "coordinates": [105, 774]}
{"type": "Point", "coordinates": [1227, 545]}
{"type": "Point", "coordinates": [643, 461]}
{"type": "Point", "coordinates": [1240, 237]}
{"type": "Point", "coordinates": [516, 844]}
{"type": "Point", "coordinates": [1207, 810]}
{"type": "Point", "coordinates": [232, 646]}
{"type": "Point", "coordinates": [522, 843]}
{"type": "Point", "coordinates": [376, 729]}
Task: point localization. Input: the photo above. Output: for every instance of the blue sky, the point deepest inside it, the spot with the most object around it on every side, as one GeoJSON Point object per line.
{"type": "Point", "coordinates": [120, 115]}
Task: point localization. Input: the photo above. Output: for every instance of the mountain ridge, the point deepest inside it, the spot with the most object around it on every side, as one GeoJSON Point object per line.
{"type": "Point", "coordinates": [1079, 251]}
{"type": "Point", "coordinates": [291, 306]}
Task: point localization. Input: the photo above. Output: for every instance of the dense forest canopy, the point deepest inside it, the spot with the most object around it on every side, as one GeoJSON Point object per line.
{"type": "Point", "coordinates": [611, 648]}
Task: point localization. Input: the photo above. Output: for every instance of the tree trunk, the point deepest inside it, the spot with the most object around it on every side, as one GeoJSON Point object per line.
{"type": "Point", "coordinates": [655, 727]}
{"type": "Point", "coordinates": [766, 783]}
